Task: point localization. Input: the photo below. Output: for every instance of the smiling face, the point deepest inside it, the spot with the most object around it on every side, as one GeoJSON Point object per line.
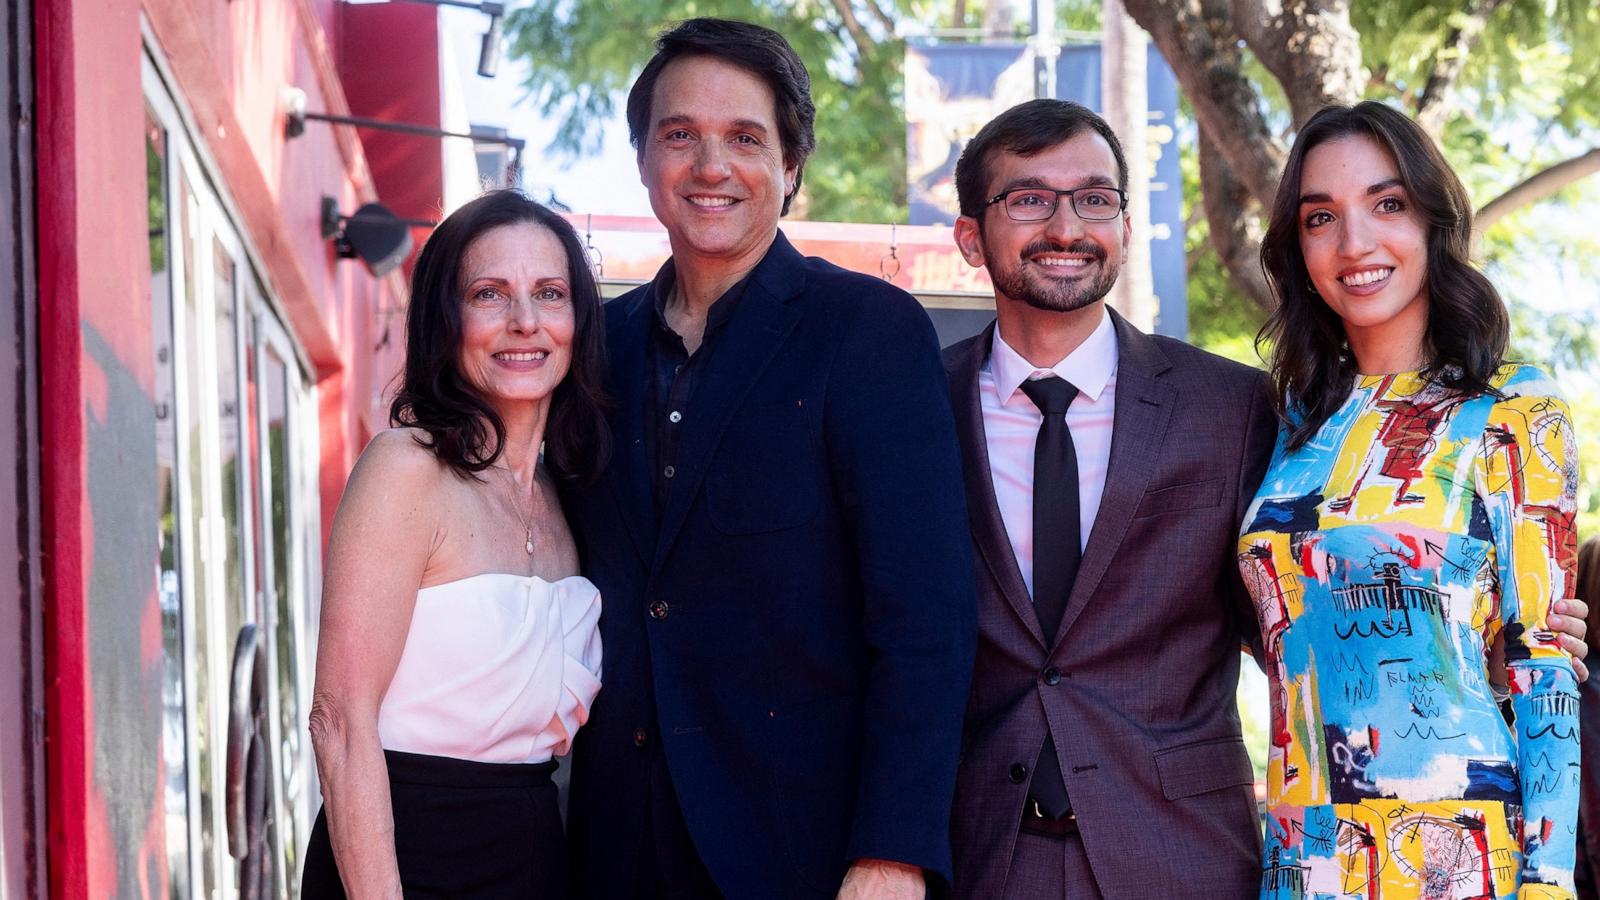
{"type": "Point", "coordinates": [517, 316]}
{"type": "Point", "coordinates": [1366, 250]}
{"type": "Point", "coordinates": [712, 160]}
{"type": "Point", "coordinates": [1062, 263]}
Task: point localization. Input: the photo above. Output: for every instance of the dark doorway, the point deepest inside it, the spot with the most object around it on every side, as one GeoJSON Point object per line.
{"type": "Point", "coordinates": [22, 799]}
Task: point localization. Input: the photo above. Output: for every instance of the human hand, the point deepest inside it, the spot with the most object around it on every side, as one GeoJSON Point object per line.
{"type": "Point", "coordinates": [1569, 621]}
{"type": "Point", "coordinates": [881, 879]}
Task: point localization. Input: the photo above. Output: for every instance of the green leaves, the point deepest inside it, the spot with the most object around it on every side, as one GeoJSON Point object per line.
{"type": "Point", "coordinates": [585, 54]}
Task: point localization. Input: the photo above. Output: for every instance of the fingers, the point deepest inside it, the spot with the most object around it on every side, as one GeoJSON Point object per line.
{"type": "Point", "coordinates": [1578, 612]}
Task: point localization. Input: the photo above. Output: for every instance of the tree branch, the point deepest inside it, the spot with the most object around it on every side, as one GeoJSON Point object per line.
{"type": "Point", "coordinates": [1449, 60]}
{"type": "Point", "coordinates": [1309, 46]}
{"type": "Point", "coordinates": [858, 35]}
{"type": "Point", "coordinates": [1536, 187]}
{"type": "Point", "coordinates": [1235, 225]}
{"type": "Point", "coordinates": [1197, 40]}
{"type": "Point", "coordinates": [888, 24]}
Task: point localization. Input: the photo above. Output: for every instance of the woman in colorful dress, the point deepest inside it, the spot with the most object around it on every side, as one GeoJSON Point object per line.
{"type": "Point", "coordinates": [1419, 509]}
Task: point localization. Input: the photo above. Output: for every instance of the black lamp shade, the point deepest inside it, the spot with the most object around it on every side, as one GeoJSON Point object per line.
{"type": "Point", "coordinates": [380, 238]}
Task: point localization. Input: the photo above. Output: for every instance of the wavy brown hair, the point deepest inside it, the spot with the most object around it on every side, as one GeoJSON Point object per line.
{"type": "Point", "coordinates": [463, 430]}
{"type": "Point", "coordinates": [1589, 591]}
{"type": "Point", "coordinates": [1311, 368]}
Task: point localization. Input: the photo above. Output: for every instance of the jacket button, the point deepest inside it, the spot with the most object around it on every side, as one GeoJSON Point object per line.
{"type": "Point", "coordinates": [640, 737]}
{"type": "Point", "coordinates": [1019, 773]}
{"type": "Point", "coordinates": [1052, 676]}
{"type": "Point", "coordinates": [658, 609]}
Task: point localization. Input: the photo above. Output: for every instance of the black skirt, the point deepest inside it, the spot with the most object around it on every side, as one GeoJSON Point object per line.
{"type": "Point", "coordinates": [462, 829]}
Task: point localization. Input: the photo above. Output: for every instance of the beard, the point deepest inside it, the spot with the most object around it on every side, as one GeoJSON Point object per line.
{"type": "Point", "coordinates": [1018, 283]}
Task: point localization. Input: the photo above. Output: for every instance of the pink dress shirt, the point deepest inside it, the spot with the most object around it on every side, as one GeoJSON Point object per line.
{"type": "Point", "coordinates": [1011, 426]}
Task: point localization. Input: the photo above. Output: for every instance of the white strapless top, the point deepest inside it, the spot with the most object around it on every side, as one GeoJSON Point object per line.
{"type": "Point", "coordinates": [496, 668]}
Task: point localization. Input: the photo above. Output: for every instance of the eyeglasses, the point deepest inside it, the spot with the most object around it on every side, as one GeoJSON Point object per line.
{"type": "Point", "coordinates": [1092, 204]}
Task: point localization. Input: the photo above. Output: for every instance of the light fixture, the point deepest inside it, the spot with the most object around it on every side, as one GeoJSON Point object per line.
{"type": "Point", "coordinates": [295, 117]}
{"type": "Point", "coordinates": [373, 234]}
{"type": "Point", "coordinates": [489, 52]}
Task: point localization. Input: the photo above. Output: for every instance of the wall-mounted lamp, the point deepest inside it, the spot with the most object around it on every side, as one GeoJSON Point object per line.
{"type": "Point", "coordinates": [374, 234]}
{"type": "Point", "coordinates": [489, 52]}
{"type": "Point", "coordinates": [295, 117]}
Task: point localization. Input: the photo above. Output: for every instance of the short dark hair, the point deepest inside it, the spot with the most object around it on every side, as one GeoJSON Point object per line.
{"type": "Point", "coordinates": [760, 51]}
{"type": "Point", "coordinates": [1467, 322]}
{"type": "Point", "coordinates": [463, 430]}
{"type": "Point", "coordinates": [1026, 129]}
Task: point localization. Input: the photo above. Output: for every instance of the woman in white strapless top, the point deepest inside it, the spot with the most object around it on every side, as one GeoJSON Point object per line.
{"type": "Point", "coordinates": [459, 650]}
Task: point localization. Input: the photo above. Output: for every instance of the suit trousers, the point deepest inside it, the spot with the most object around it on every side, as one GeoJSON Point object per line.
{"type": "Point", "coordinates": [1044, 867]}
{"type": "Point", "coordinates": [675, 870]}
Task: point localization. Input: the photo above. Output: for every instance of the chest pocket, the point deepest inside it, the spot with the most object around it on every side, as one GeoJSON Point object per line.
{"type": "Point", "coordinates": [1194, 495]}
{"type": "Point", "coordinates": [766, 474]}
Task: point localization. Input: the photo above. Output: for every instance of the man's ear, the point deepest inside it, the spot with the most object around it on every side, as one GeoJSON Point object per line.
{"type": "Point", "coordinates": [969, 240]}
{"type": "Point", "coordinates": [1127, 235]}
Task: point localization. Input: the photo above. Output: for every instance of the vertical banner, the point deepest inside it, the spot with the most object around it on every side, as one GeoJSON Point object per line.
{"type": "Point", "coordinates": [952, 90]}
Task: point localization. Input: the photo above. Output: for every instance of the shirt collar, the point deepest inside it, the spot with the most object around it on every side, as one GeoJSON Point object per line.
{"type": "Point", "coordinates": [1088, 368]}
{"type": "Point", "coordinates": [722, 310]}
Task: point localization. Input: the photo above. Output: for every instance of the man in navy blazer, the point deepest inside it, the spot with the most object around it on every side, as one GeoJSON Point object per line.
{"type": "Point", "coordinates": [781, 548]}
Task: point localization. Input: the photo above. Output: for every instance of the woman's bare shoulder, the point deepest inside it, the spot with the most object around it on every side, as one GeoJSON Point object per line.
{"type": "Point", "coordinates": [397, 460]}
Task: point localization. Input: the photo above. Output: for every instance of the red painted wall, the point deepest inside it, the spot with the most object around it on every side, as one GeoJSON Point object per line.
{"type": "Point", "coordinates": [389, 63]}
{"type": "Point", "coordinates": [91, 250]}
{"type": "Point", "coordinates": [230, 63]}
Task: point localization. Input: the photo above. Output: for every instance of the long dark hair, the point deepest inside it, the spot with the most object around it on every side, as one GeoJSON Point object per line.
{"type": "Point", "coordinates": [1311, 370]}
{"type": "Point", "coordinates": [463, 429]}
{"type": "Point", "coordinates": [1588, 590]}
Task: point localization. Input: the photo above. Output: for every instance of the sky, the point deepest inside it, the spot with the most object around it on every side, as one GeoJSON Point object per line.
{"type": "Point", "coordinates": [606, 184]}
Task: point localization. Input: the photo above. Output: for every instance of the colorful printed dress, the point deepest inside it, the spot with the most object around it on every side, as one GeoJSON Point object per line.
{"type": "Point", "coordinates": [1384, 556]}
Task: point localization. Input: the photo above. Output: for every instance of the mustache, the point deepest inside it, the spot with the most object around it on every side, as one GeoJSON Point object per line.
{"type": "Point", "coordinates": [1082, 246]}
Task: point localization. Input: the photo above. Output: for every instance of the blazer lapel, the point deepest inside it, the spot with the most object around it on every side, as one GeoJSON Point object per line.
{"type": "Point", "coordinates": [752, 337]}
{"type": "Point", "coordinates": [628, 473]}
{"type": "Point", "coordinates": [988, 529]}
{"type": "Point", "coordinates": [1143, 407]}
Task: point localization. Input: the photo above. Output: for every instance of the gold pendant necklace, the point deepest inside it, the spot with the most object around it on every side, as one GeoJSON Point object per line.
{"type": "Point", "coordinates": [527, 521]}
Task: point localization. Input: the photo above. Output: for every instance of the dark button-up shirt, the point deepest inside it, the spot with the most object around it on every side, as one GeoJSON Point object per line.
{"type": "Point", "coordinates": [674, 375]}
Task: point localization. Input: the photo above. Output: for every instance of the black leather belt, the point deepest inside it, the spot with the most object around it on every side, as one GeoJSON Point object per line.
{"type": "Point", "coordinates": [1035, 821]}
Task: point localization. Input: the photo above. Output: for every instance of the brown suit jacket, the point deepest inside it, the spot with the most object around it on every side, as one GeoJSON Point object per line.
{"type": "Point", "coordinates": [1138, 685]}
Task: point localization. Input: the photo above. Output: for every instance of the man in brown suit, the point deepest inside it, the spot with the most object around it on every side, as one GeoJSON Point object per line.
{"type": "Point", "coordinates": [1107, 472]}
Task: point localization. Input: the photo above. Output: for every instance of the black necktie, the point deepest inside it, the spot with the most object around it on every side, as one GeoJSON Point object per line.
{"type": "Point", "coordinates": [1056, 551]}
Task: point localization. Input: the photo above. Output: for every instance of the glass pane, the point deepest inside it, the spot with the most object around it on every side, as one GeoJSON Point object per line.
{"type": "Point", "coordinates": [204, 690]}
{"type": "Point", "coordinates": [173, 729]}
{"type": "Point", "coordinates": [275, 407]}
{"type": "Point", "coordinates": [231, 435]}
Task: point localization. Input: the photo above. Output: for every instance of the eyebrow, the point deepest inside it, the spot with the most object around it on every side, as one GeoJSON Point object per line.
{"type": "Point", "coordinates": [473, 280]}
{"type": "Point", "coordinates": [1378, 188]}
{"type": "Point", "coordinates": [1033, 181]}
{"type": "Point", "coordinates": [745, 124]}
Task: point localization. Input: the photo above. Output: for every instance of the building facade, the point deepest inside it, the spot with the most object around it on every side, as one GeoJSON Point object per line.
{"type": "Point", "coordinates": [191, 370]}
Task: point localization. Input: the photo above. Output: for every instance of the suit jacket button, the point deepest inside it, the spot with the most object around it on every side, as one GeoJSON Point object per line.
{"type": "Point", "coordinates": [1052, 676]}
{"type": "Point", "coordinates": [658, 609]}
{"type": "Point", "coordinates": [640, 737]}
{"type": "Point", "coordinates": [1019, 773]}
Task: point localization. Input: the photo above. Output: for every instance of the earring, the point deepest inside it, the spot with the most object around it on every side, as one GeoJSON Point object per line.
{"type": "Point", "coordinates": [1312, 288]}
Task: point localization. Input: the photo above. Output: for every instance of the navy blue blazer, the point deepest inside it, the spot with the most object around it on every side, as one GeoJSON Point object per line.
{"type": "Point", "coordinates": [804, 619]}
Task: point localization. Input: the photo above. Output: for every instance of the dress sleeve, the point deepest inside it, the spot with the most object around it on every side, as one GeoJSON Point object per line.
{"type": "Point", "coordinates": [580, 671]}
{"type": "Point", "coordinates": [1527, 477]}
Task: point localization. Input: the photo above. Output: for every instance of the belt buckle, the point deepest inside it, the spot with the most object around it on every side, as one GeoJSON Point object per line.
{"type": "Point", "coordinates": [1037, 811]}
